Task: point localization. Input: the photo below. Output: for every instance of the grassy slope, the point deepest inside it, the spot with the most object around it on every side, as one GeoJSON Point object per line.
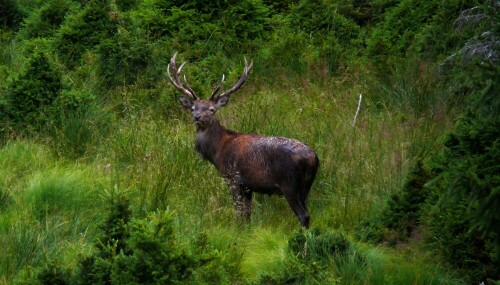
{"type": "Point", "coordinates": [53, 205]}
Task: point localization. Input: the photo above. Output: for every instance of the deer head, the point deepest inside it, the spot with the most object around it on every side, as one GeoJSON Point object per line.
{"type": "Point", "coordinates": [203, 110]}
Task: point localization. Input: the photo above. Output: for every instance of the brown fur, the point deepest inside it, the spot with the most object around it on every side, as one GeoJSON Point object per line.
{"type": "Point", "coordinates": [253, 163]}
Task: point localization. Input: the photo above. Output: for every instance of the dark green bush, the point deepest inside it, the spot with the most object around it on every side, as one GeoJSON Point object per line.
{"type": "Point", "coordinates": [137, 251]}
{"type": "Point", "coordinates": [49, 274]}
{"type": "Point", "coordinates": [367, 12]}
{"type": "Point", "coordinates": [444, 23]}
{"type": "Point", "coordinates": [201, 28]}
{"type": "Point", "coordinates": [123, 58]}
{"type": "Point", "coordinates": [462, 211]}
{"type": "Point", "coordinates": [78, 131]}
{"type": "Point", "coordinates": [84, 30]}
{"type": "Point", "coordinates": [400, 219]}
{"type": "Point", "coordinates": [310, 252]}
{"type": "Point", "coordinates": [333, 34]}
{"type": "Point", "coordinates": [411, 20]}
{"type": "Point", "coordinates": [322, 18]}
{"type": "Point", "coordinates": [247, 23]}
{"type": "Point", "coordinates": [115, 227]}
{"type": "Point", "coordinates": [44, 22]}
{"type": "Point", "coordinates": [125, 5]}
{"type": "Point", "coordinates": [71, 100]}
{"type": "Point", "coordinates": [280, 6]}
{"type": "Point", "coordinates": [404, 207]}
{"type": "Point", "coordinates": [30, 97]}
{"type": "Point", "coordinates": [150, 18]}
{"type": "Point", "coordinates": [11, 14]}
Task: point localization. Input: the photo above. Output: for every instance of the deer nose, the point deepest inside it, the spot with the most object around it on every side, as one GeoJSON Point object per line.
{"type": "Point", "coordinates": [196, 118]}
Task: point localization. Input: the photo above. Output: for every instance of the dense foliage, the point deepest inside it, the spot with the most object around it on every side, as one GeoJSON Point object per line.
{"type": "Point", "coordinates": [31, 97]}
{"type": "Point", "coordinates": [136, 251]}
{"type": "Point", "coordinates": [401, 218]}
{"type": "Point", "coordinates": [465, 183]}
{"type": "Point", "coordinates": [455, 196]}
{"type": "Point", "coordinates": [83, 82]}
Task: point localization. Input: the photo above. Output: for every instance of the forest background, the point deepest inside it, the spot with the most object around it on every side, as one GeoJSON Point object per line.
{"type": "Point", "coordinates": [100, 184]}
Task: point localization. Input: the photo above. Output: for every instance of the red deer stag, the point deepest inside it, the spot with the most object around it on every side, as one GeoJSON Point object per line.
{"type": "Point", "coordinates": [248, 162]}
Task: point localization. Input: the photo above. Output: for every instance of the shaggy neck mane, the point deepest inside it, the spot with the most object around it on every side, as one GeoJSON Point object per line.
{"type": "Point", "coordinates": [210, 140]}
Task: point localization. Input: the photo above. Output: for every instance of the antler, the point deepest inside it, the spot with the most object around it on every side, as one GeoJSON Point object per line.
{"type": "Point", "coordinates": [217, 88]}
{"type": "Point", "coordinates": [236, 86]}
{"type": "Point", "coordinates": [188, 91]}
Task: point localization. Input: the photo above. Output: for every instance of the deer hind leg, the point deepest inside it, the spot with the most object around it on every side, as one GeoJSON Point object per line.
{"type": "Point", "coordinates": [242, 198]}
{"type": "Point", "coordinates": [304, 192]}
{"type": "Point", "coordinates": [298, 205]}
{"type": "Point", "coordinates": [305, 187]}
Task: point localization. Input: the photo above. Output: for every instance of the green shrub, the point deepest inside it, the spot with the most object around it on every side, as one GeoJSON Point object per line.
{"type": "Point", "coordinates": [115, 227]}
{"type": "Point", "coordinates": [461, 212]}
{"type": "Point", "coordinates": [125, 5]}
{"type": "Point", "coordinates": [411, 20]}
{"type": "Point", "coordinates": [49, 274]}
{"type": "Point", "coordinates": [72, 100]}
{"type": "Point", "coordinates": [149, 17]}
{"type": "Point", "coordinates": [246, 23]}
{"type": "Point", "coordinates": [442, 33]}
{"type": "Point", "coordinates": [292, 53]}
{"type": "Point", "coordinates": [320, 18]}
{"type": "Point", "coordinates": [310, 253]}
{"type": "Point", "coordinates": [79, 130]}
{"type": "Point", "coordinates": [31, 96]}
{"type": "Point", "coordinates": [400, 219]}
{"type": "Point", "coordinates": [11, 14]}
{"type": "Point", "coordinates": [83, 31]}
{"type": "Point", "coordinates": [44, 22]}
{"type": "Point", "coordinates": [123, 58]}
{"type": "Point", "coordinates": [202, 28]}
{"type": "Point", "coordinates": [333, 34]}
{"type": "Point", "coordinates": [137, 251]}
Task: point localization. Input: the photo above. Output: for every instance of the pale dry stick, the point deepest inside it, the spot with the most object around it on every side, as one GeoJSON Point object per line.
{"type": "Point", "coordinates": [357, 110]}
{"type": "Point", "coordinates": [346, 201]}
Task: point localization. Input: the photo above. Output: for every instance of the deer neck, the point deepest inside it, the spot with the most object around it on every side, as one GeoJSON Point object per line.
{"type": "Point", "coordinates": [210, 141]}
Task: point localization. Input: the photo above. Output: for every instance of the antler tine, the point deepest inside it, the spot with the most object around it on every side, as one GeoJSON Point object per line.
{"type": "Point", "coordinates": [176, 81]}
{"type": "Point", "coordinates": [189, 86]}
{"type": "Point", "coordinates": [217, 88]}
{"type": "Point", "coordinates": [243, 77]}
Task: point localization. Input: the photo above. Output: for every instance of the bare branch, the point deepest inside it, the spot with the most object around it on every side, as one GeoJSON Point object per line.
{"type": "Point", "coordinates": [357, 110]}
{"type": "Point", "coordinates": [487, 44]}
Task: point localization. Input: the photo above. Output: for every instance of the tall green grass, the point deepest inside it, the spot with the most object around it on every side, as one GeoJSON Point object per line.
{"type": "Point", "coordinates": [55, 203]}
{"type": "Point", "coordinates": [50, 211]}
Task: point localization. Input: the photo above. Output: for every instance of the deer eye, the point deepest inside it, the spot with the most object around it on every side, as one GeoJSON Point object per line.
{"type": "Point", "coordinates": [192, 108]}
{"type": "Point", "coordinates": [211, 109]}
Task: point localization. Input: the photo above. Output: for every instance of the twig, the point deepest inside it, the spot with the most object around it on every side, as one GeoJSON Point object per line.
{"type": "Point", "coordinates": [357, 110]}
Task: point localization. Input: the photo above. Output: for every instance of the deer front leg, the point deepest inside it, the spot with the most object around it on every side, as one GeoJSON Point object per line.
{"type": "Point", "coordinates": [242, 198]}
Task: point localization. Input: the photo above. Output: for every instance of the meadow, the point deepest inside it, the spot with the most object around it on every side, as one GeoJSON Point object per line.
{"type": "Point", "coordinates": [102, 185]}
{"type": "Point", "coordinates": [55, 204]}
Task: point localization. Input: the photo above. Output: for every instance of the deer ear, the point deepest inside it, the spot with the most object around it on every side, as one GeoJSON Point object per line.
{"type": "Point", "coordinates": [188, 104]}
{"type": "Point", "coordinates": [222, 101]}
